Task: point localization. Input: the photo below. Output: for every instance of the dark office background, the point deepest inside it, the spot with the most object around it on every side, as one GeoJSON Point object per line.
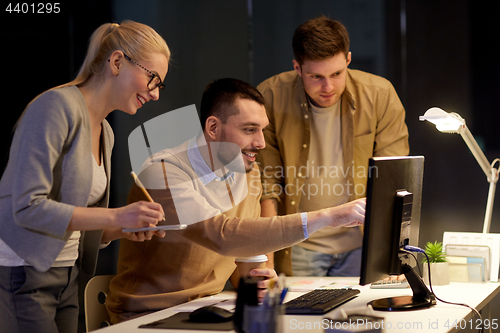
{"type": "Point", "coordinates": [436, 53]}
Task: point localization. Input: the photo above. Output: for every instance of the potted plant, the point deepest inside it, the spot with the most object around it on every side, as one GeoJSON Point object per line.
{"type": "Point", "coordinates": [440, 273]}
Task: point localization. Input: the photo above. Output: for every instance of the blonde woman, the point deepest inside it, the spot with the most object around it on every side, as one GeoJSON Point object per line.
{"type": "Point", "coordinates": [54, 191]}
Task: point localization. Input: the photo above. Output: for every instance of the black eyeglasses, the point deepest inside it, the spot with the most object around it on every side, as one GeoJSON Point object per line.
{"type": "Point", "coordinates": [155, 81]}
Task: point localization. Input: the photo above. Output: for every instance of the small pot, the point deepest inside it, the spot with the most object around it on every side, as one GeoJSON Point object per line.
{"type": "Point", "coordinates": [440, 273]}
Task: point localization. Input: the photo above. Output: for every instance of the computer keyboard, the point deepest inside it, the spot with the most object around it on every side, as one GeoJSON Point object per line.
{"type": "Point", "coordinates": [320, 301]}
{"type": "Point", "coordinates": [390, 284]}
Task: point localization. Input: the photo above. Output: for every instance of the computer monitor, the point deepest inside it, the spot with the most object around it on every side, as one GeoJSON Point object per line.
{"type": "Point", "coordinates": [393, 200]}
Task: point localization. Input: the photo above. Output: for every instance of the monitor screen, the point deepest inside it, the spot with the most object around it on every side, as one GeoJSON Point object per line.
{"type": "Point", "coordinates": [394, 192]}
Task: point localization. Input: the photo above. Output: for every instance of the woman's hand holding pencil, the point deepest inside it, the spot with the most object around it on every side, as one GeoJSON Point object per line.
{"type": "Point", "coordinates": [129, 221]}
{"type": "Point", "coordinates": [146, 193]}
{"type": "Point", "coordinates": [138, 221]}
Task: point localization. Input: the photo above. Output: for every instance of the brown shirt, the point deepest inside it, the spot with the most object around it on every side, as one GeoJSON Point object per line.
{"type": "Point", "coordinates": [372, 124]}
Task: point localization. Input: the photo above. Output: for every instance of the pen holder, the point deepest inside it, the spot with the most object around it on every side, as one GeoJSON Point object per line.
{"type": "Point", "coordinates": [262, 319]}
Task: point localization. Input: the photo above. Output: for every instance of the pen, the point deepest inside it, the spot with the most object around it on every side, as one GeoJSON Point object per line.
{"type": "Point", "coordinates": [270, 295]}
{"type": "Point", "coordinates": [283, 288]}
{"type": "Point", "coordinates": [282, 281]}
{"type": "Point", "coordinates": [146, 193]}
{"type": "Point", "coordinates": [283, 294]}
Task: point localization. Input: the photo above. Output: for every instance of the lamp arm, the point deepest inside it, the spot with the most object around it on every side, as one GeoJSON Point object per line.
{"type": "Point", "coordinates": [489, 170]}
{"type": "Point", "coordinates": [489, 204]}
{"type": "Point", "coordinates": [476, 151]}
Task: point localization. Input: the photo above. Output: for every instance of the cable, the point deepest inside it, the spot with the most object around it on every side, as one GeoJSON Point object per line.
{"type": "Point", "coordinates": [413, 249]}
{"type": "Point", "coordinates": [410, 248]}
{"type": "Point", "coordinates": [495, 161]}
{"type": "Point", "coordinates": [416, 260]}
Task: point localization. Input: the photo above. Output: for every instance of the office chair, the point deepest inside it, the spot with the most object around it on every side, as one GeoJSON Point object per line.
{"type": "Point", "coordinates": [96, 290]}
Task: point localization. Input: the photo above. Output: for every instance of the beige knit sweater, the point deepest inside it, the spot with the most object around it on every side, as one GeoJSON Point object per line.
{"type": "Point", "coordinates": [197, 261]}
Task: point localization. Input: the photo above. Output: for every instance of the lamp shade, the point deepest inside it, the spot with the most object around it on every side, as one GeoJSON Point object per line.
{"type": "Point", "coordinates": [445, 122]}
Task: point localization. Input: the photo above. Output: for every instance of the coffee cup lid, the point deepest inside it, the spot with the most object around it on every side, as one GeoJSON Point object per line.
{"type": "Point", "coordinates": [261, 258]}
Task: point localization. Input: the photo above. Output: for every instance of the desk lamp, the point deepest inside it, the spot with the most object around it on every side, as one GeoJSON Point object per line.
{"type": "Point", "coordinates": [453, 123]}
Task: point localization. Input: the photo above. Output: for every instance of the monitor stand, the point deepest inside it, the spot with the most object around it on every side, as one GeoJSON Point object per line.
{"type": "Point", "coordinates": [422, 296]}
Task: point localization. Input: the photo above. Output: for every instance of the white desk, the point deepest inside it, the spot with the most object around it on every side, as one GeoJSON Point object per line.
{"type": "Point", "coordinates": [434, 319]}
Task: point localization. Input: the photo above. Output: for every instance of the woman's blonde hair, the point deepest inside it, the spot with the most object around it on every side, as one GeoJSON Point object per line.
{"type": "Point", "coordinates": [135, 39]}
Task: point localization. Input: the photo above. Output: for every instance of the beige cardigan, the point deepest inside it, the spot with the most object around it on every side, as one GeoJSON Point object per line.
{"type": "Point", "coordinates": [49, 173]}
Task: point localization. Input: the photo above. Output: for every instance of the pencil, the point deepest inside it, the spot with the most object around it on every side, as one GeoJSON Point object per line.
{"type": "Point", "coordinates": [146, 193]}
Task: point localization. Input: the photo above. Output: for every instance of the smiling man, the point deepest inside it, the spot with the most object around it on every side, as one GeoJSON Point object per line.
{"type": "Point", "coordinates": [326, 121]}
{"type": "Point", "coordinates": [212, 184]}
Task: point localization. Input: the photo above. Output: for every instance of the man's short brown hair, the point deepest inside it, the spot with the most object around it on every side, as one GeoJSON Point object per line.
{"type": "Point", "coordinates": [318, 39]}
{"type": "Point", "coordinates": [220, 96]}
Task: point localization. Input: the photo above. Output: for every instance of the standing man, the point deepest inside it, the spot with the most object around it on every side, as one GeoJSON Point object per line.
{"type": "Point", "coordinates": [326, 121]}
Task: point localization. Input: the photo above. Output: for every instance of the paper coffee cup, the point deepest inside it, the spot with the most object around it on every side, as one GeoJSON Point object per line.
{"type": "Point", "coordinates": [246, 264]}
